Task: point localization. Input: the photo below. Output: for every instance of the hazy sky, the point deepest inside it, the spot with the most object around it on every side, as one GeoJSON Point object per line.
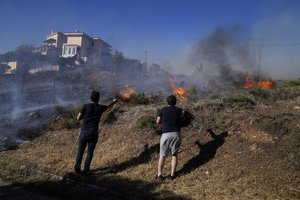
{"type": "Point", "coordinates": [166, 29]}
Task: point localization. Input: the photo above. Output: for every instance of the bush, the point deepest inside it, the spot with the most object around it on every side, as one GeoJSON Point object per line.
{"type": "Point", "coordinates": [69, 118]}
{"type": "Point", "coordinates": [285, 93]}
{"type": "Point", "coordinates": [30, 133]}
{"type": "Point", "coordinates": [214, 106]}
{"type": "Point", "coordinates": [186, 119]}
{"type": "Point", "coordinates": [259, 93]}
{"type": "Point", "coordinates": [238, 101]}
{"type": "Point", "coordinates": [155, 99]}
{"type": "Point", "coordinates": [192, 90]}
{"type": "Point", "coordinates": [147, 121]}
{"type": "Point", "coordinates": [109, 116]}
{"type": "Point", "coordinates": [58, 109]}
{"type": "Point", "coordinates": [139, 99]}
{"type": "Point", "coordinates": [292, 83]}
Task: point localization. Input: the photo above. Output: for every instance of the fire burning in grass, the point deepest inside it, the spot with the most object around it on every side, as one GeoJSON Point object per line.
{"type": "Point", "coordinates": [124, 96]}
{"type": "Point", "coordinates": [180, 92]}
{"type": "Point", "coordinates": [250, 83]}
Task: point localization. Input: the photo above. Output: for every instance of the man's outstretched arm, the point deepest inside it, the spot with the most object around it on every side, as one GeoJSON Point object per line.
{"type": "Point", "coordinates": [79, 116]}
{"type": "Point", "coordinates": [115, 100]}
{"type": "Point", "coordinates": [158, 120]}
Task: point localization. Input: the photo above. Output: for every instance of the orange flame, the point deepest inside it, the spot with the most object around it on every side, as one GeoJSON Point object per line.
{"type": "Point", "coordinates": [180, 92]}
{"type": "Point", "coordinates": [126, 93]}
{"type": "Point", "coordinates": [250, 83]}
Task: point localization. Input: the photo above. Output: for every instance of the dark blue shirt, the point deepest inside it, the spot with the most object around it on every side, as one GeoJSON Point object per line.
{"type": "Point", "coordinates": [91, 114]}
{"type": "Point", "coordinates": [170, 118]}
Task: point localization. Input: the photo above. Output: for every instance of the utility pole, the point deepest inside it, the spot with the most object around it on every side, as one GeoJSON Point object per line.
{"type": "Point", "coordinates": [146, 65]}
{"type": "Point", "coordinates": [259, 58]}
{"type": "Point", "coordinates": [146, 56]}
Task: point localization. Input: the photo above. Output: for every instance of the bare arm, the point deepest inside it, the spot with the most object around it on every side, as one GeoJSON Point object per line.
{"type": "Point", "coordinates": [158, 120]}
{"type": "Point", "coordinates": [182, 114]}
{"type": "Point", "coordinates": [112, 103]}
{"type": "Point", "coordinates": [79, 116]}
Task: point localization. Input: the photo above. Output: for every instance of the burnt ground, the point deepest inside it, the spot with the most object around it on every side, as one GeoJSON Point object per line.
{"type": "Point", "coordinates": [248, 150]}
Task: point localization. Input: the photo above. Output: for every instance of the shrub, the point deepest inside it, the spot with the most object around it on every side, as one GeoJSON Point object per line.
{"type": "Point", "coordinates": [259, 93]}
{"type": "Point", "coordinates": [30, 133]}
{"type": "Point", "coordinates": [238, 101]}
{"type": "Point", "coordinates": [192, 90]}
{"type": "Point", "coordinates": [292, 83]}
{"type": "Point", "coordinates": [186, 119]}
{"type": "Point", "coordinates": [69, 118]}
{"type": "Point", "coordinates": [34, 115]}
{"type": "Point", "coordinates": [285, 93]}
{"type": "Point", "coordinates": [147, 121]}
{"type": "Point", "coordinates": [58, 109]}
{"type": "Point", "coordinates": [215, 106]}
{"type": "Point", "coordinates": [139, 99]}
{"type": "Point", "coordinates": [155, 99]}
{"type": "Point", "coordinates": [109, 116]}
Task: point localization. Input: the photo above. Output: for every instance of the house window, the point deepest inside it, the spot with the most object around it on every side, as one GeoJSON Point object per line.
{"type": "Point", "coordinates": [73, 50]}
{"type": "Point", "coordinates": [64, 50]}
{"type": "Point", "coordinates": [69, 50]}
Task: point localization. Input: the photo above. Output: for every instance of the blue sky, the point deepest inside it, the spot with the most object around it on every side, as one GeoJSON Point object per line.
{"type": "Point", "coordinates": [166, 29]}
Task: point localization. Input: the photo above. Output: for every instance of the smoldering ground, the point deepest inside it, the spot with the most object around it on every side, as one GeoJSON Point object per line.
{"type": "Point", "coordinates": [29, 103]}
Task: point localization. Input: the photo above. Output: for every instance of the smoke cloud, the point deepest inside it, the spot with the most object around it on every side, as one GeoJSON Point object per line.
{"type": "Point", "coordinates": [281, 43]}
{"type": "Point", "coordinates": [224, 53]}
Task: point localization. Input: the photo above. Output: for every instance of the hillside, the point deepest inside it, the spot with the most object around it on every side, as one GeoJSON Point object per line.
{"type": "Point", "coordinates": [258, 157]}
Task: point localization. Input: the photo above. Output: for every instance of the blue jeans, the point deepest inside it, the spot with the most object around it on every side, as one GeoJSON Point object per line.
{"type": "Point", "coordinates": [90, 139]}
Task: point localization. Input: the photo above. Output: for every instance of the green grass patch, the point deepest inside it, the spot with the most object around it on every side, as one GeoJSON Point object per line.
{"type": "Point", "coordinates": [292, 83]}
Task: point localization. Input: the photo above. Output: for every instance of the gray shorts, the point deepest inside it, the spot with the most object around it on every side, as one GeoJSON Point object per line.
{"type": "Point", "coordinates": [170, 143]}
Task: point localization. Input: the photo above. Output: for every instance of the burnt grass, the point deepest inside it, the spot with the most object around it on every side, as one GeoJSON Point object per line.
{"type": "Point", "coordinates": [235, 146]}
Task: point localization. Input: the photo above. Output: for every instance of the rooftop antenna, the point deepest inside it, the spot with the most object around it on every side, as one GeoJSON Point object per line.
{"type": "Point", "coordinates": [259, 58]}
{"type": "Point", "coordinates": [146, 56]}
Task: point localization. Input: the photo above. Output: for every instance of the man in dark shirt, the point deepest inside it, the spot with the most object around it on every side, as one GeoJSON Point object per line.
{"type": "Point", "coordinates": [90, 114]}
{"type": "Point", "coordinates": [170, 140]}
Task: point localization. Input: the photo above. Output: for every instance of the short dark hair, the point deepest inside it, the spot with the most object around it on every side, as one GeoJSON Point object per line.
{"type": "Point", "coordinates": [95, 95]}
{"type": "Point", "coordinates": [171, 100]}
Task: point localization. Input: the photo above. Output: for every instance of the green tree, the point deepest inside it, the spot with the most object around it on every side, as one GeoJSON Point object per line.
{"type": "Point", "coordinates": [26, 58]}
{"type": "Point", "coordinates": [8, 56]}
{"type": "Point", "coordinates": [3, 68]}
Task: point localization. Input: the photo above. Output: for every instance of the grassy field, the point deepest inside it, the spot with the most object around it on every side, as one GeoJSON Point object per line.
{"type": "Point", "coordinates": [258, 157]}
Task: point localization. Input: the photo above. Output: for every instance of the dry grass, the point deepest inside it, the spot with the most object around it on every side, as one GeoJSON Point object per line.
{"type": "Point", "coordinates": [258, 160]}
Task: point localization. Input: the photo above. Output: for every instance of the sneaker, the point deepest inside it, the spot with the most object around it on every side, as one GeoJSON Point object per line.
{"type": "Point", "coordinates": [160, 178]}
{"type": "Point", "coordinates": [86, 172]}
{"type": "Point", "coordinates": [78, 171]}
{"type": "Point", "coordinates": [175, 176]}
